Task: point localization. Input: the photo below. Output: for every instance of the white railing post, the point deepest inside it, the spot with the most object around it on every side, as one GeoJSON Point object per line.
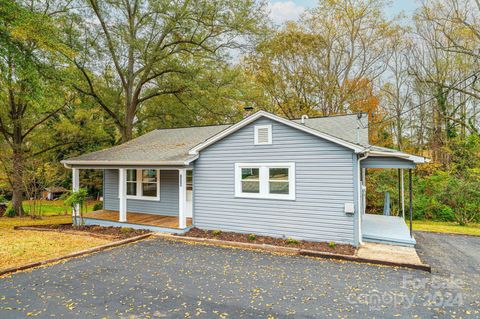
{"type": "Point", "coordinates": [182, 197]}
{"type": "Point", "coordinates": [75, 188]}
{"type": "Point", "coordinates": [122, 177]}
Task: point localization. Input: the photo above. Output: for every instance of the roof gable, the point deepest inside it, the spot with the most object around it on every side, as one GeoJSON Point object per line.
{"type": "Point", "coordinates": [230, 130]}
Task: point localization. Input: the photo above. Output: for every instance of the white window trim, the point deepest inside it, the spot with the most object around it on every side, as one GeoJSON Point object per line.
{"type": "Point", "coordinates": [264, 180]}
{"type": "Point", "coordinates": [258, 127]}
{"type": "Point", "coordinates": [139, 186]}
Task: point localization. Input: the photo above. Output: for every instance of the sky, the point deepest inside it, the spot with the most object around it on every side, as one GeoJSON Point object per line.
{"type": "Point", "coordinates": [283, 10]}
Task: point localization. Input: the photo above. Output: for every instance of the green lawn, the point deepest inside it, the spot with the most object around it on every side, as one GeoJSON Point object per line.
{"type": "Point", "coordinates": [53, 207]}
{"type": "Point", "coordinates": [446, 227]}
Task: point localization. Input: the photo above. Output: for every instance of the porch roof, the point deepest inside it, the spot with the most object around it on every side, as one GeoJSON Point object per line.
{"type": "Point", "coordinates": [158, 147]}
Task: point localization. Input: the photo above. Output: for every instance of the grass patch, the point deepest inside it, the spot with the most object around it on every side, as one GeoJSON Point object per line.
{"type": "Point", "coordinates": [19, 247]}
{"type": "Point", "coordinates": [54, 207]}
{"type": "Point", "coordinates": [446, 227]}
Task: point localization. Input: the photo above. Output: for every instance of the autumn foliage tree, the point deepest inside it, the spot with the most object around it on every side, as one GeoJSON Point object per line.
{"type": "Point", "coordinates": [314, 66]}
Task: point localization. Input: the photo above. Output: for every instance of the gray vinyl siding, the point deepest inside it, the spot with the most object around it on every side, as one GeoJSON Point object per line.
{"type": "Point", "coordinates": [386, 162]}
{"type": "Point", "coordinates": [168, 204]}
{"type": "Point", "coordinates": [324, 183]}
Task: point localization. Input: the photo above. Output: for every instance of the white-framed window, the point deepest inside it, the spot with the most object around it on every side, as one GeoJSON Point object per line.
{"type": "Point", "coordinates": [143, 184]}
{"type": "Point", "coordinates": [263, 135]}
{"type": "Point", "coordinates": [265, 180]}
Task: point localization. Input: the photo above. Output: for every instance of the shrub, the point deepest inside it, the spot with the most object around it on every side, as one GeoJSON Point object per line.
{"type": "Point", "coordinates": [462, 194]}
{"type": "Point", "coordinates": [2, 199]}
{"type": "Point", "coordinates": [292, 241]}
{"type": "Point", "coordinates": [216, 232]}
{"type": "Point", "coordinates": [10, 212]}
{"type": "Point", "coordinates": [98, 206]}
{"type": "Point", "coordinates": [78, 198]}
{"type": "Point", "coordinates": [331, 244]}
{"type": "Point", "coordinates": [251, 237]}
{"type": "Point", "coordinates": [127, 229]}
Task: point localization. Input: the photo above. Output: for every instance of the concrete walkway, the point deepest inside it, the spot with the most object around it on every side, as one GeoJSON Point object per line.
{"type": "Point", "coordinates": [389, 253]}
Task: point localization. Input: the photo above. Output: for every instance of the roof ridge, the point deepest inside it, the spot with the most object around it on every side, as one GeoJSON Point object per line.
{"type": "Point", "coordinates": [193, 126]}
{"type": "Point", "coordinates": [327, 116]}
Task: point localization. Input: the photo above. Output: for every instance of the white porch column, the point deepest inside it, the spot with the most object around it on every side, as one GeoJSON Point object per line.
{"type": "Point", "coordinates": [182, 197]}
{"type": "Point", "coordinates": [122, 177]}
{"type": "Point", "coordinates": [75, 188]}
{"type": "Point", "coordinates": [402, 186]}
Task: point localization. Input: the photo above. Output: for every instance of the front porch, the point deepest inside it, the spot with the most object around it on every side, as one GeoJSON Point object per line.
{"type": "Point", "coordinates": [158, 198]}
{"type": "Point", "coordinates": [152, 222]}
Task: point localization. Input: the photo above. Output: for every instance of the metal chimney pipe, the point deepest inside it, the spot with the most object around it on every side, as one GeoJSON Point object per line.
{"type": "Point", "coordinates": [304, 117]}
{"type": "Point", "coordinates": [248, 111]}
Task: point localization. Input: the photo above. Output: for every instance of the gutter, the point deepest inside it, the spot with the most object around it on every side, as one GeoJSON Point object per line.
{"type": "Point", "coordinates": [359, 194]}
{"type": "Point", "coordinates": [413, 158]}
{"type": "Point", "coordinates": [68, 163]}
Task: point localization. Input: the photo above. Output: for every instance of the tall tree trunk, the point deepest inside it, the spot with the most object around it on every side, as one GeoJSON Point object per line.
{"type": "Point", "coordinates": [399, 131]}
{"type": "Point", "coordinates": [17, 174]}
{"type": "Point", "coordinates": [127, 130]}
{"type": "Point", "coordinates": [17, 184]}
{"type": "Point", "coordinates": [16, 112]}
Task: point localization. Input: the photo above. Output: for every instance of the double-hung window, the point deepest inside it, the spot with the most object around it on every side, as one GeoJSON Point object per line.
{"type": "Point", "coordinates": [131, 182]}
{"type": "Point", "coordinates": [143, 184]}
{"type": "Point", "coordinates": [265, 180]}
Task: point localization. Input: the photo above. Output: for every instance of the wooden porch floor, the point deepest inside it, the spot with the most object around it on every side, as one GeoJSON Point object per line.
{"type": "Point", "coordinates": [138, 218]}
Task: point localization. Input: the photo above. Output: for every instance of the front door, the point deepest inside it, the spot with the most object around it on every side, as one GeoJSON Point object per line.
{"type": "Point", "coordinates": [189, 195]}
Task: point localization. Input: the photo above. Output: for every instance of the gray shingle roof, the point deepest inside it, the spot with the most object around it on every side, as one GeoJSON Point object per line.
{"type": "Point", "coordinates": [171, 146]}
{"type": "Point", "coordinates": [163, 145]}
{"type": "Point", "coordinates": [342, 126]}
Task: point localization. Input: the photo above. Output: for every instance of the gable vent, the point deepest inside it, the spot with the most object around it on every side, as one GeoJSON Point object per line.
{"type": "Point", "coordinates": [263, 134]}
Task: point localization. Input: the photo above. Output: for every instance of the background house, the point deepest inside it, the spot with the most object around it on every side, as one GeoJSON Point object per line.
{"type": "Point", "coordinates": [54, 192]}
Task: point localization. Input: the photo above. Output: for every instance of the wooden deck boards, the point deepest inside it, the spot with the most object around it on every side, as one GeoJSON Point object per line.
{"type": "Point", "coordinates": [138, 218]}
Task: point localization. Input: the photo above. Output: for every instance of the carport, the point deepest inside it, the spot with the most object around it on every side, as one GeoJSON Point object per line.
{"type": "Point", "coordinates": [385, 228]}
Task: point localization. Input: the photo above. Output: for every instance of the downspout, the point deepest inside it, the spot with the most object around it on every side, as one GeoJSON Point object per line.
{"type": "Point", "coordinates": [359, 195]}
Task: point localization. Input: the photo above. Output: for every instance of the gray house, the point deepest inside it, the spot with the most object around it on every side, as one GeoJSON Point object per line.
{"type": "Point", "coordinates": [265, 175]}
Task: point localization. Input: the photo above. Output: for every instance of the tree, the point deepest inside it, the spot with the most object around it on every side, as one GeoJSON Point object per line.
{"type": "Point", "coordinates": [446, 69]}
{"type": "Point", "coordinates": [31, 90]}
{"type": "Point", "coordinates": [397, 89]}
{"type": "Point", "coordinates": [216, 94]}
{"type": "Point", "coordinates": [318, 65]}
{"type": "Point", "coordinates": [135, 50]}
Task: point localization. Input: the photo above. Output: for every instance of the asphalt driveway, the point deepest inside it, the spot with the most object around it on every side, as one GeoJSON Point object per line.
{"type": "Point", "coordinates": [450, 254]}
{"type": "Point", "coordinates": [162, 279]}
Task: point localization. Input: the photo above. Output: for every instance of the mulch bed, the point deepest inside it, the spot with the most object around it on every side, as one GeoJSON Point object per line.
{"type": "Point", "coordinates": [100, 231]}
{"type": "Point", "coordinates": [342, 249]}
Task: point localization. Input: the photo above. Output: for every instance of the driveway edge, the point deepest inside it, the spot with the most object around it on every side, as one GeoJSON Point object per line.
{"type": "Point", "coordinates": [294, 251]}
{"type": "Point", "coordinates": [75, 254]}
